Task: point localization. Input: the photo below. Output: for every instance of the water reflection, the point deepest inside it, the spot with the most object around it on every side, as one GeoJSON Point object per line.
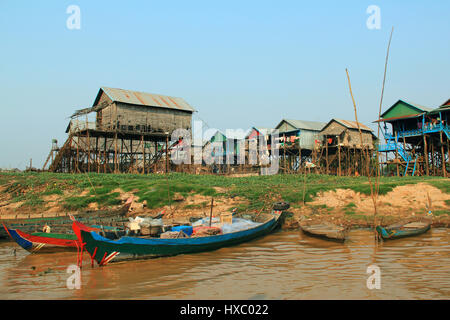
{"type": "Point", "coordinates": [283, 265]}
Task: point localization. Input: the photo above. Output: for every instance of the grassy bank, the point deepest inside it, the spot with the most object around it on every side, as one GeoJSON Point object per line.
{"type": "Point", "coordinates": [31, 191]}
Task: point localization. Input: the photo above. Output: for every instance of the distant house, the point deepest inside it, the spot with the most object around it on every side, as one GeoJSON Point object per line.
{"type": "Point", "coordinates": [345, 133]}
{"type": "Point", "coordinates": [252, 141]}
{"type": "Point", "coordinates": [228, 146]}
{"type": "Point", "coordinates": [446, 104]}
{"type": "Point", "coordinates": [256, 132]}
{"type": "Point", "coordinates": [300, 133]}
{"type": "Point", "coordinates": [441, 116]}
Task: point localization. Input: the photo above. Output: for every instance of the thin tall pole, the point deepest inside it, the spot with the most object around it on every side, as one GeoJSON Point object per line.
{"type": "Point", "coordinates": [374, 199]}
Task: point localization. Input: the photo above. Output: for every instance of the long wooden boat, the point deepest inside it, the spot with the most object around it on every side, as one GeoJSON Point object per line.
{"type": "Point", "coordinates": [63, 223]}
{"type": "Point", "coordinates": [42, 241]}
{"type": "Point", "coordinates": [50, 242]}
{"type": "Point", "coordinates": [403, 230]}
{"type": "Point", "coordinates": [325, 231]}
{"type": "Point", "coordinates": [104, 250]}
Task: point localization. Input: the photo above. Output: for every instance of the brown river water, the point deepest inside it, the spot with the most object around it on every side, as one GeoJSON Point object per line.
{"type": "Point", "coordinates": [283, 265]}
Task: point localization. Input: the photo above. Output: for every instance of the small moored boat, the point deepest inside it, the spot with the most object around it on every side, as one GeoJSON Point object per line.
{"type": "Point", "coordinates": [63, 223]}
{"type": "Point", "coordinates": [43, 241]}
{"type": "Point", "coordinates": [325, 231]}
{"type": "Point", "coordinates": [402, 230]}
{"type": "Point", "coordinates": [104, 250]}
{"type": "Point", "coordinates": [49, 241]}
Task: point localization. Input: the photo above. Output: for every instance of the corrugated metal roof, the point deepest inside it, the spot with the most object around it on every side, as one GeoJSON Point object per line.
{"type": "Point", "coordinates": [145, 99]}
{"type": "Point", "coordinates": [237, 135]}
{"type": "Point", "coordinates": [447, 103]}
{"type": "Point", "coordinates": [352, 124]}
{"type": "Point", "coordinates": [418, 106]}
{"type": "Point", "coordinates": [440, 109]}
{"type": "Point", "coordinates": [303, 124]}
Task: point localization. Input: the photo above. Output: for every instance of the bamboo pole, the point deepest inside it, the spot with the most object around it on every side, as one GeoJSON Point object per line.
{"type": "Point", "coordinates": [377, 180]}
{"type": "Point", "coordinates": [89, 146]}
{"type": "Point", "coordinates": [284, 152]}
{"type": "Point", "coordinates": [373, 194]}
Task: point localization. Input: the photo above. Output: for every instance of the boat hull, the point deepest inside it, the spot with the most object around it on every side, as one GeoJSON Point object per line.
{"type": "Point", "coordinates": [104, 250]}
{"type": "Point", "coordinates": [337, 235]}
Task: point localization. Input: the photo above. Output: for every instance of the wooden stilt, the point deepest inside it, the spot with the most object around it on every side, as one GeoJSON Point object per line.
{"type": "Point", "coordinates": [339, 155]}
{"type": "Point", "coordinates": [326, 154]}
{"type": "Point", "coordinates": [426, 155]}
{"type": "Point", "coordinates": [444, 170]}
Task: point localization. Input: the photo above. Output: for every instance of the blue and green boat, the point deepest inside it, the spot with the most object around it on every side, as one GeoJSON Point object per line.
{"type": "Point", "coordinates": [104, 250]}
{"type": "Point", "coordinates": [403, 230]}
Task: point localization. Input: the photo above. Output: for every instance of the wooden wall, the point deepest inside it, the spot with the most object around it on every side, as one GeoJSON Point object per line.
{"type": "Point", "coordinates": [166, 120]}
{"type": "Point", "coordinates": [159, 119]}
{"type": "Point", "coordinates": [348, 137]}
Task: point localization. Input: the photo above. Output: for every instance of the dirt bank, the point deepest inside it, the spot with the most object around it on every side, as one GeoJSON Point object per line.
{"type": "Point", "coordinates": [347, 207]}
{"type": "Point", "coordinates": [341, 206]}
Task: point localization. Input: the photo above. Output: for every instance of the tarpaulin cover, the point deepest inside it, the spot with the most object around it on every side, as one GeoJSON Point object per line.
{"type": "Point", "coordinates": [186, 229]}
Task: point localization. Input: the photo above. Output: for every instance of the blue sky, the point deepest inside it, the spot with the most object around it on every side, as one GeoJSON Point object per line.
{"type": "Point", "coordinates": [239, 63]}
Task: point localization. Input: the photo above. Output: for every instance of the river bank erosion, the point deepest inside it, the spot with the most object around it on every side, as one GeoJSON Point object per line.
{"type": "Point", "coordinates": [342, 200]}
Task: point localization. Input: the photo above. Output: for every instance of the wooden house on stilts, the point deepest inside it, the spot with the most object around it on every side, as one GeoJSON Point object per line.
{"type": "Point", "coordinates": [416, 139]}
{"type": "Point", "coordinates": [346, 148]}
{"type": "Point", "coordinates": [131, 133]}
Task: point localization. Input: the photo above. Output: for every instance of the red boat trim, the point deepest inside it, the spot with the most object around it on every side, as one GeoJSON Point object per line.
{"type": "Point", "coordinates": [9, 234]}
{"type": "Point", "coordinates": [101, 262]}
{"type": "Point", "coordinates": [93, 256]}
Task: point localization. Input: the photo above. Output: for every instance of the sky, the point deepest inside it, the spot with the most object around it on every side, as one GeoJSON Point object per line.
{"type": "Point", "coordinates": [238, 63]}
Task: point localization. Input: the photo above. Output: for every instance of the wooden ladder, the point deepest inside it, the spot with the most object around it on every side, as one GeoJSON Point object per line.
{"type": "Point", "coordinates": [59, 155]}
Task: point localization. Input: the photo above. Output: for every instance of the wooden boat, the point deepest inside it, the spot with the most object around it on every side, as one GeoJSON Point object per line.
{"type": "Point", "coordinates": [50, 242]}
{"type": "Point", "coordinates": [104, 250]}
{"type": "Point", "coordinates": [63, 224]}
{"type": "Point", "coordinates": [402, 230]}
{"type": "Point", "coordinates": [42, 241]}
{"type": "Point", "coordinates": [325, 231]}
